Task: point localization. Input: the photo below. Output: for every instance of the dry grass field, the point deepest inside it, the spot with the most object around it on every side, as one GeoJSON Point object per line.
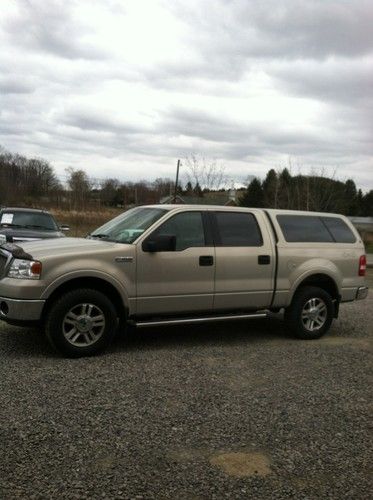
{"type": "Point", "coordinates": [83, 222]}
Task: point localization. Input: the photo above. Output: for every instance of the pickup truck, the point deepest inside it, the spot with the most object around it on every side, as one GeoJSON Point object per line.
{"type": "Point", "coordinates": [178, 264]}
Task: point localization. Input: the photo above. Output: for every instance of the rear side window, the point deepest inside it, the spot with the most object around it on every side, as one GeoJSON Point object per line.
{"type": "Point", "coordinates": [237, 230]}
{"type": "Point", "coordinates": [339, 230]}
{"type": "Point", "coordinates": [313, 229]}
{"type": "Point", "coordinates": [304, 229]}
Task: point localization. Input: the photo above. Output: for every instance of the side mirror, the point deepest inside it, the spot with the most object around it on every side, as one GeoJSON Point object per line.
{"type": "Point", "coordinates": [64, 227]}
{"type": "Point", "coordinates": [160, 243]}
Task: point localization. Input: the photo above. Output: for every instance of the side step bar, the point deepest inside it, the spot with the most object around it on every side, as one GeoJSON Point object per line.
{"type": "Point", "coordinates": [189, 321]}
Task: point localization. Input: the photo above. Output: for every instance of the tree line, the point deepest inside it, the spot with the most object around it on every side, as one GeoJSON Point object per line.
{"type": "Point", "coordinates": [307, 192]}
{"type": "Point", "coordinates": [33, 182]}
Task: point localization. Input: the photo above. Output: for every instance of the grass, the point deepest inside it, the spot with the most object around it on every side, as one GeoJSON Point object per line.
{"type": "Point", "coordinates": [84, 222]}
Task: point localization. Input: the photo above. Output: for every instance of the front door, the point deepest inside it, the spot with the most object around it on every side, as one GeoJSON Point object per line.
{"type": "Point", "coordinates": [182, 280]}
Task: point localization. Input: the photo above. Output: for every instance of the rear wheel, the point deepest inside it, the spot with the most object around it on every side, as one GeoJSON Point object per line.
{"type": "Point", "coordinates": [81, 322]}
{"type": "Point", "coordinates": [310, 314]}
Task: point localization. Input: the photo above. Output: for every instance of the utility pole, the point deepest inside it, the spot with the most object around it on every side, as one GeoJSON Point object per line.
{"type": "Point", "coordinates": [177, 179]}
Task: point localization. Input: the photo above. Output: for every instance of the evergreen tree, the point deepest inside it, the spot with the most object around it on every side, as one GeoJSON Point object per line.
{"type": "Point", "coordinates": [253, 195]}
{"type": "Point", "coordinates": [197, 190]}
{"type": "Point", "coordinates": [270, 189]}
{"type": "Point", "coordinates": [351, 200]}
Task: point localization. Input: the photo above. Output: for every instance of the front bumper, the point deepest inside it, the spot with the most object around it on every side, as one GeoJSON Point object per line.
{"type": "Point", "coordinates": [20, 310]}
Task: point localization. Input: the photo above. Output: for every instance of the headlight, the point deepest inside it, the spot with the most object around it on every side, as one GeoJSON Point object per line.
{"type": "Point", "coordinates": [25, 269]}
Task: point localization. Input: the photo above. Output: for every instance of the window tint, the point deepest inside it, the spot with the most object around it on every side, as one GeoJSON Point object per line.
{"type": "Point", "coordinates": [339, 230]}
{"type": "Point", "coordinates": [188, 229]}
{"type": "Point", "coordinates": [238, 230]}
{"type": "Point", "coordinates": [304, 228]}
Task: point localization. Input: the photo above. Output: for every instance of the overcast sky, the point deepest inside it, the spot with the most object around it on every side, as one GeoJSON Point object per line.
{"type": "Point", "coordinates": [124, 88]}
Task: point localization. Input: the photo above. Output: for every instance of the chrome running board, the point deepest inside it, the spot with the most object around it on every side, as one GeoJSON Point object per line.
{"type": "Point", "coordinates": [187, 321]}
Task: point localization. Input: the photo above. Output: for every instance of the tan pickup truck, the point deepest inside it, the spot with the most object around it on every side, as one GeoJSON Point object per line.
{"type": "Point", "coordinates": [176, 264]}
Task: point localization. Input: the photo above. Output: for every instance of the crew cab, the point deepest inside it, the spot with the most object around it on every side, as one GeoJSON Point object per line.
{"type": "Point", "coordinates": [176, 264]}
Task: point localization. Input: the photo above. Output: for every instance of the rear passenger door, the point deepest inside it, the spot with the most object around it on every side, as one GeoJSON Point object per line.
{"type": "Point", "coordinates": [244, 274]}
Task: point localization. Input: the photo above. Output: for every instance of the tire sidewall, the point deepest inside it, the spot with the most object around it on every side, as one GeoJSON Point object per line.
{"type": "Point", "coordinates": [293, 315]}
{"type": "Point", "coordinates": [58, 311]}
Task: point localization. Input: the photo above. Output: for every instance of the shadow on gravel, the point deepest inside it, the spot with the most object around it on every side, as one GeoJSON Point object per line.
{"type": "Point", "coordinates": [230, 333]}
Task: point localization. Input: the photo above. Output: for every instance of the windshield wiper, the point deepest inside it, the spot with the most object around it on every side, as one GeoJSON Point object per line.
{"type": "Point", "coordinates": [36, 226]}
{"type": "Point", "coordinates": [99, 235]}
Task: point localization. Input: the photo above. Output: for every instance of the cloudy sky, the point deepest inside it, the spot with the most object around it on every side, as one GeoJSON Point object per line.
{"type": "Point", "coordinates": [124, 88]}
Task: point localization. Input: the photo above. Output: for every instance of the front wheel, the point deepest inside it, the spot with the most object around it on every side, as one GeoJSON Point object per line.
{"type": "Point", "coordinates": [311, 312]}
{"type": "Point", "coordinates": [81, 322]}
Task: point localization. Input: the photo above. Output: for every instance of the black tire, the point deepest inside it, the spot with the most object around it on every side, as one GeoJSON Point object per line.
{"type": "Point", "coordinates": [298, 315]}
{"type": "Point", "coordinates": [98, 322]}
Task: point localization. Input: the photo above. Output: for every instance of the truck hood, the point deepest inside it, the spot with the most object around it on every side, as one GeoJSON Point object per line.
{"type": "Point", "coordinates": [20, 235]}
{"type": "Point", "coordinates": [59, 247]}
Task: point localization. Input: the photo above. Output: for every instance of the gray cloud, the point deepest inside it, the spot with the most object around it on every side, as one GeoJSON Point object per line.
{"type": "Point", "coordinates": [69, 95]}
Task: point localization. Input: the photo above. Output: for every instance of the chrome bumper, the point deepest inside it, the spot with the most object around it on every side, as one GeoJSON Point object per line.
{"type": "Point", "coordinates": [20, 310]}
{"type": "Point", "coordinates": [362, 293]}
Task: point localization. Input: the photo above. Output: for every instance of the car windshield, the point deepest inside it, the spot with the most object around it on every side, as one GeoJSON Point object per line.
{"type": "Point", "coordinates": [28, 220]}
{"type": "Point", "coordinates": [127, 227]}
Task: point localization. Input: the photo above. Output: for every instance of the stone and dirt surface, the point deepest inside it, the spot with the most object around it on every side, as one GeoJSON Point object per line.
{"type": "Point", "coordinates": [235, 410]}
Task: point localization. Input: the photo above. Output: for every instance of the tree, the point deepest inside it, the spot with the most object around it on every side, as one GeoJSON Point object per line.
{"type": "Point", "coordinates": [197, 190]}
{"type": "Point", "coordinates": [110, 193]}
{"type": "Point", "coordinates": [208, 174]}
{"type": "Point", "coordinates": [270, 189]}
{"type": "Point", "coordinates": [368, 204]}
{"type": "Point", "coordinates": [253, 196]}
{"type": "Point", "coordinates": [80, 187]}
{"type": "Point", "coordinates": [351, 198]}
{"type": "Point", "coordinates": [284, 196]}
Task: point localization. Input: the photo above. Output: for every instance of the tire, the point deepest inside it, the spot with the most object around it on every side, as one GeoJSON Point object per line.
{"type": "Point", "coordinates": [81, 322]}
{"type": "Point", "coordinates": [311, 313]}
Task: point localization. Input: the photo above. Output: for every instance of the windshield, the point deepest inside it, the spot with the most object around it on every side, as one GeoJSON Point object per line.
{"type": "Point", "coordinates": [126, 228]}
{"type": "Point", "coordinates": [29, 220]}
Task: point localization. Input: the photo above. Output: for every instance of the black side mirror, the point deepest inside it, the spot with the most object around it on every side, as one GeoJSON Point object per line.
{"type": "Point", "coordinates": [160, 243]}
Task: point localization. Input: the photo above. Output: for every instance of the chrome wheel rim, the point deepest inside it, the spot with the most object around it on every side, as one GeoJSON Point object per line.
{"type": "Point", "coordinates": [314, 314]}
{"type": "Point", "coordinates": [83, 325]}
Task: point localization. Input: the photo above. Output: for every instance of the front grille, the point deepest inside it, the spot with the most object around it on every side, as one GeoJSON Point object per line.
{"type": "Point", "coordinates": [3, 261]}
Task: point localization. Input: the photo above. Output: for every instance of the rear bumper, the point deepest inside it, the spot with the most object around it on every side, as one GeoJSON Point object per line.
{"type": "Point", "coordinates": [20, 310]}
{"type": "Point", "coordinates": [362, 293]}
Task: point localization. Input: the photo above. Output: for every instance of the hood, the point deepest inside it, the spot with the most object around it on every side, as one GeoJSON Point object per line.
{"type": "Point", "coordinates": [68, 247]}
{"type": "Point", "coordinates": [17, 235]}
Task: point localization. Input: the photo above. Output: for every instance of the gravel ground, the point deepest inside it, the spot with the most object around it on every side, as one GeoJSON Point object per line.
{"type": "Point", "coordinates": [239, 410]}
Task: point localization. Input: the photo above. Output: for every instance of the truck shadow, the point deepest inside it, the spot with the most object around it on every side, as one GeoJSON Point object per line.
{"type": "Point", "coordinates": [214, 334]}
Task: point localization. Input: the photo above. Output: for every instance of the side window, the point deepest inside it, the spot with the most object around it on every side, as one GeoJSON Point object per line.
{"type": "Point", "coordinates": [238, 230]}
{"type": "Point", "coordinates": [188, 229]}
{"type": "Point", "coordinates": [339, 230]}
{"type": "Point", "coordinates": [304, 229]}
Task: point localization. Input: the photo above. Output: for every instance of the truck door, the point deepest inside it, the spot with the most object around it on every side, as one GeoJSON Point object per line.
{"type": "Point", "coordinates": [244, 275]}
{"type": "Point", "coordinates": [181, 280]}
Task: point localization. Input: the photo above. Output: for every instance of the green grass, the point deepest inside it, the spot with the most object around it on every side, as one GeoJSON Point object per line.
{"type": "Point", "coordinates": [369, 247]}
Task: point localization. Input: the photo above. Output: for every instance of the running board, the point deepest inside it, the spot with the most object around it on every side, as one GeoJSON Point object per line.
{"type": "Point", "coordinates": [189, 321]}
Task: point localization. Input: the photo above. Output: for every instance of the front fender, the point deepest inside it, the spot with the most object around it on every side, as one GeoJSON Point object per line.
{"type": "Point", "coordinates": [87, 273]}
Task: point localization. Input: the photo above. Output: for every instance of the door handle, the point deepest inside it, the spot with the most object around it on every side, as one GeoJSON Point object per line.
{"type": "Point", "coordinates": [264, 260]}
{"type": "Point", "coordinates": [206, 260]}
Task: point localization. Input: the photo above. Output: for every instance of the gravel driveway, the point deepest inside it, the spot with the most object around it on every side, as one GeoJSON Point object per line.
{"type": "Point", "coordinates": [239, 410]}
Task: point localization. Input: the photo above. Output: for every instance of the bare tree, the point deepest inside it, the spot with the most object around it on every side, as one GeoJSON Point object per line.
{"type": "Point", "coordinates": [208, 174]}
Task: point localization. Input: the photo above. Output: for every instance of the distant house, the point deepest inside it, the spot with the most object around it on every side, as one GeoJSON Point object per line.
{"type": "Point", "coordinates": [223, 198]}
{"type": "Point", "coordinates": [362, 223]}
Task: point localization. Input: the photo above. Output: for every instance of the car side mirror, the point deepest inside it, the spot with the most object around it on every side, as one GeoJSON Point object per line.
{"type": "Point", "coordinates": [160, 243]}
{"type": "Point", "coordinates": [64, 227]}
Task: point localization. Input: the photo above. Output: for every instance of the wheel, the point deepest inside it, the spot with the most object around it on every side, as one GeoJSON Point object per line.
{"type": "Point", "coordinates": [81, 322]}
{"type": "Point", "coordinates": [310, 314]}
